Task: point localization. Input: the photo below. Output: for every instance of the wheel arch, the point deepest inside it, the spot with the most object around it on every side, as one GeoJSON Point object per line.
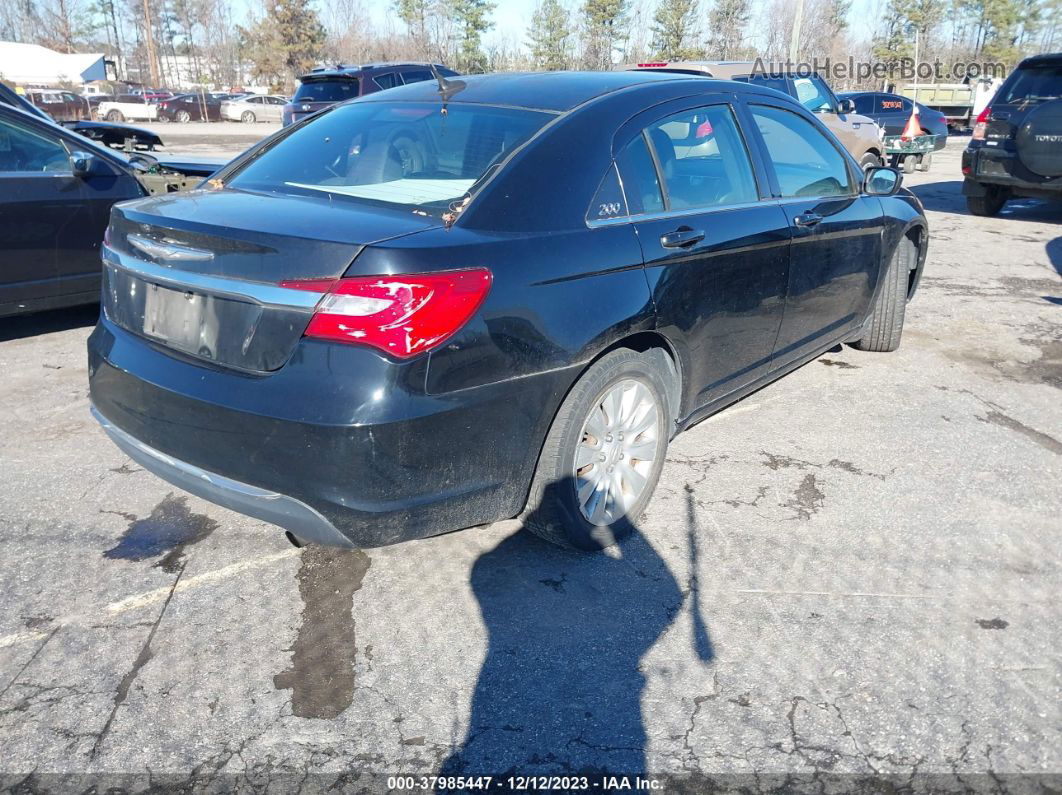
{"type": "Point", "coordinates": [918, 233]}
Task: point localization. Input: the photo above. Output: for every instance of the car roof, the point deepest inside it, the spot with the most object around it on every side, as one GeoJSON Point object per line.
{"type": "Point", "coordinates": [554, 91]}
{"type": "Point", "coordinates": [355, 70]}
{"type": "Point", "coordinates": [724, 69]}
{"type": "Point", "coordinates": [1044, 59]}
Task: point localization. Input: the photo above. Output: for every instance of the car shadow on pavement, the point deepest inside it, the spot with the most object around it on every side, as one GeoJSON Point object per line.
{"type": "Point", "coordinates": [561, 686]}
{"type": "Point", "coordinates": [946, 197]}
{"type": "Point", "coordinates": [1054, 254]}
{"type": "Point", "coordinates": [32, 325]}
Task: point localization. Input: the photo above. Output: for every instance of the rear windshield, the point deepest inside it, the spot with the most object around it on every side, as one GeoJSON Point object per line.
{"type": "Point", "coordinates": [412, 155]}
{"type": "Point", "coordinates": [1035, 84]}
{"type": "Point", "coordinates": [327, 90]}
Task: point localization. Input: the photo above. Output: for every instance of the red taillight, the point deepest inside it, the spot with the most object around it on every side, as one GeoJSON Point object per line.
{"type": "Point", "coordinates": [651, 65]}
{"type": "Point", "coordinates": [981, 126]}
{"type": "Point", "coordinates": [402, 315]}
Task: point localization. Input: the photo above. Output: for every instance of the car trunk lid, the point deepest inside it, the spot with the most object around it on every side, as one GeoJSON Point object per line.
{"type": "Point", "coordinates": [201, 276]}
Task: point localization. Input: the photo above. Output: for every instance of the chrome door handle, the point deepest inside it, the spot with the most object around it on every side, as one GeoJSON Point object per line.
{"type": "Point", "coordinates": [807, 219]}
{"type": "Point", "coordinates": [681, 237]}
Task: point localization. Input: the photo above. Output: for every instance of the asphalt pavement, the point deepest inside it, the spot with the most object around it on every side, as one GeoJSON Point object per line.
{"type": "Point", "coordinates": [854, 572]}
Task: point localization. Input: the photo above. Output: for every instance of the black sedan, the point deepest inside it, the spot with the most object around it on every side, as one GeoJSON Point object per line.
{"type": "Point", "coordinates": [892, 112]}
{"type": "Point", "coordinates": [56, 192]}
{"type": "Point", "coordinates": [445, 305]}
{"type": "Point", "coordinates": [190, 107]}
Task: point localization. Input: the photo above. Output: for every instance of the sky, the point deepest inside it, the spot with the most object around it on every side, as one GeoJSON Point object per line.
{"type": "Point", "coordinates": [515, 15]}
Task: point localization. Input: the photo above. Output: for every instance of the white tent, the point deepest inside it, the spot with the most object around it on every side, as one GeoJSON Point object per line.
{"type": "Point", "coordinates": [33, 64]}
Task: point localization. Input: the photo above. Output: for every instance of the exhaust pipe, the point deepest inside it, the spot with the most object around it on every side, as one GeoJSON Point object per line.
{"type": "Point", "coordinates": [295, 542]}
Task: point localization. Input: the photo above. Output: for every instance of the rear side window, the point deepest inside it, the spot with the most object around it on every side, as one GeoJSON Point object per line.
{"type": "Point", "coordinates": [640, 184]}
{"type": "Point", "coordinates": [890, 104]}
{"type": "Point", "coordinates": [608, 201]}
{"type": "Point", "coordinates": [386, 80]}
{"type": "Point", "coordinates": [703, 159]}
{"type": "Point", "coordinates": [1035, 84]}
{"type": "Point", "coordinates": [417, 76]}
{"type": "Point", "coordinates": [777, 83]}
{"type": "Point", "coordinates": [805, 162]}
{"type": "Point", "coordinates": [403, 154]}
{"type": "Point", "coordinates": [327, 90]}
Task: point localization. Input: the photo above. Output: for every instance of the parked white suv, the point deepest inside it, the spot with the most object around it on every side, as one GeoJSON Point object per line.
{"type": "Point", "coordinates": [127, 106]}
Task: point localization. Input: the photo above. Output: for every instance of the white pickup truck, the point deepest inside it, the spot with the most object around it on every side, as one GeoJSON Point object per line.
{"type": "Point", "coordinates": [127, 106]}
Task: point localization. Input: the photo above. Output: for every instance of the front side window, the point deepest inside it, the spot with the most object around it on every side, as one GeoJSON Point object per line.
{"type": "Point", "coordinates": [805, 162]}
{"type": "Point", "coordinates": [26, 151]}
{"type": "Point", "coordinates": [406, 154]}
{"type": "Point", "coordinates": [640, 183]}
{"type": "Point", "coordinates": [703, 159]}
{"type": "Point", "coordinates": [812, 93]}
{"type": "Point", "coordinates": [864, 104]}
{"type": "Point", "coordinates": [327, 90]}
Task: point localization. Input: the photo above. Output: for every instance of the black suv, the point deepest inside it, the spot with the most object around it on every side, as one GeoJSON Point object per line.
{"type": "Point", "coordinates": [326, 86]}
{"type": "Point", "coordinates": [1016, 149]}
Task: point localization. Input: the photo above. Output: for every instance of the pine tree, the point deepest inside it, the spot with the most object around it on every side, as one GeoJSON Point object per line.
{"type": "Point", "coordinates": [549, 36]}
{"type": "Point", "coordinates": [727, 22]}
{"type": "Point", "coordinates": [472, 17]}
{"type": "Point", "coordinates": [603, 25]}
{"type": "Point", "coordinates": [675, 31]}
{"type": "Point", "coordinates": [287, 41]}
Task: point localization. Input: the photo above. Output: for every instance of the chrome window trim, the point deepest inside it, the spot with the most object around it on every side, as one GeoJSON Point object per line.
{"type": "Point", "coordinates": [239, 289]}
{"type": "Point", "coordinates": [662, 215]}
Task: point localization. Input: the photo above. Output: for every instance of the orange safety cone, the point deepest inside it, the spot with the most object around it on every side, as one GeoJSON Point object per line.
{"type": "Point", "coordinates": [913, 128]}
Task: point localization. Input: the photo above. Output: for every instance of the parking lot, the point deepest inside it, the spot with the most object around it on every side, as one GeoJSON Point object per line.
{"type": "Point", "coordinates": [852, 572]}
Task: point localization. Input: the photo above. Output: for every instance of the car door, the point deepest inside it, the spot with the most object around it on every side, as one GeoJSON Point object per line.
{"type": "Point", "coordinates": [892, 115]}
{"type": "Point", "coordinates": [273, 108]}
{"type": "Point", "coordinates": [836, 251]}
{"type": "Point", "coordinates": [43, 217]}
{"type": "Point", "coordinates": [716, 256]}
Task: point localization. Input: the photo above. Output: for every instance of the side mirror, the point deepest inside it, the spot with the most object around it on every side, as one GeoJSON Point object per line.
{"type": "Point", "coordinates": [846, 106]}
{"type": "Point", "coordinates": [882, 181]}
{"type": "Point", "coordinates": [83, 164]}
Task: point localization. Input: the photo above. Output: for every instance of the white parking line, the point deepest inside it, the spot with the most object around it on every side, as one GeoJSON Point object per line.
{"type": "Point", "coordinates": [148, 598]}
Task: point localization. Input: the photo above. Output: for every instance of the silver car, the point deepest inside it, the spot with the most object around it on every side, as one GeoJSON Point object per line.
{"type": "Point", "coordinates": [252, 108]}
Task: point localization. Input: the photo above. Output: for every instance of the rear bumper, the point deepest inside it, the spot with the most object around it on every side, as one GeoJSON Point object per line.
{"type": "Point", "coordinates": [339, 446]}
{"type": "Point", "coordinates": [278, 509]}
{"type": "Point", "coordinates": [984, 166]}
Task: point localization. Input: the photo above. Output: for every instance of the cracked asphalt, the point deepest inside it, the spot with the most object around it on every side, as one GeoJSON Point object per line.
{"type": "Point", "coordinates": [852, 573]}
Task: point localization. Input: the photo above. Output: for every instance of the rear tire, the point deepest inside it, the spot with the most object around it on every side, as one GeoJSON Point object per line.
{"type": "Point", "coordinates": [885, 325]}
{"type": "Point", "coordinates": [642, 383]}
{"type": "Point", "coordinates": [247, 117]}
{"type": "Point", "coordinates": [115, 115]}
{"type": "Point", "coordinates": [925, 162]}
{"type": "Point", "coordinates": [990, 204]}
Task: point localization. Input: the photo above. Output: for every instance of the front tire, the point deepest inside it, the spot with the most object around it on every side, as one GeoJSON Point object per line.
{"type": "Point", "coordinates": [869, 160]}
{"type": "Point", "coordinates": [885, 325]}
{"type": "Point", "coordinates": [184, 116]}
{"type": "Point", "coordinates": [990, 204]}
{"type": "Point", "coordinates": [604, 452]}
{"type": "Point", "coordinates": [115, 115]}
{"type": "Point", "coordinates": [247, 117]}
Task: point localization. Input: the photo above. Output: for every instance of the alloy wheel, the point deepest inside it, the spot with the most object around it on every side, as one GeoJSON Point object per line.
{"type": "Point", "coordinates": [619, 443]}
